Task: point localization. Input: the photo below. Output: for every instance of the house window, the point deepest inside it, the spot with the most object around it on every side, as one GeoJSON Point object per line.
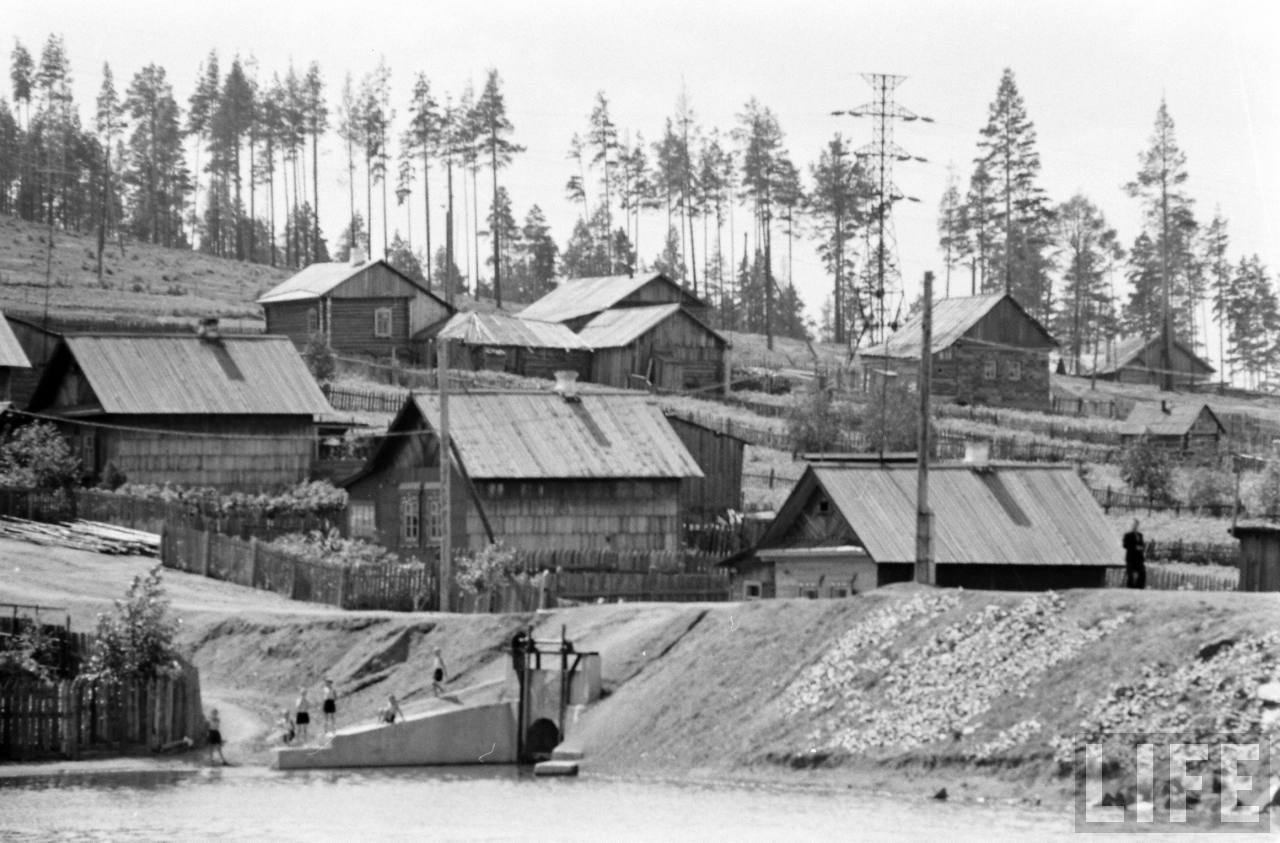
{"type": "Point", "coordinates": [88, 451]}
{"type": "Point", "coordinates": [313, 321]}
{"type": "Point", "coordinates": [839, 592]}
{"type": "Point", "coordinates": [989, 369]}
{"type": "Point", "coordinates": [809, 592]}
{"type": "Point", "coordinates": [1015, 370]}
{"type": "Point", "coordinates": [752, 590]}
{"type": "Point", "coordinates": [946, 354]}
{"type": "Point", "coordinates": [410, 518]}
{"type": "Point", "coordinates": [431, 511]}
{"type": "Point", "coordinates": [382, 322]}
{"type": "Point", "coordinates": [361, 518]}
{"type": "Point", "coordinates": [824, 505]}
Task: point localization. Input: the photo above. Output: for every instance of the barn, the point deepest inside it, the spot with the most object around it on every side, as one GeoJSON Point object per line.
{"type": "Point", "coordinates": [720, 455]}
{"type": "Point", "coordinates": [1185, 428]}
{"type": "Point", "coordinates": [366, 308]}
{"type": "Point", "coordinates": [504, 343]}
{"type": "Point", "coordinates": [851, 527]}
{"type": "Point", "coordinates": [193, 410]}
{"type": "Point", "coordinates": [545, 470]}
{"type": "Point", "coordinates": [1137, 359]}
{"type": "Point", "coordinates": [662, 345]}
{"type": "Point", "coordinates": [576, 301]}
{"type": "Point", "coordinates": [986, 350]}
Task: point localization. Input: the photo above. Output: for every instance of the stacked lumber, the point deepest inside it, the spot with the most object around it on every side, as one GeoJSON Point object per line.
{"type": "Point", "coordinates": [93, 536]}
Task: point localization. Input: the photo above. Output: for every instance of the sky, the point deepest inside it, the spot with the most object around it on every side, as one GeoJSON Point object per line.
{"type": "Point", "coordinates": [1091, 72]}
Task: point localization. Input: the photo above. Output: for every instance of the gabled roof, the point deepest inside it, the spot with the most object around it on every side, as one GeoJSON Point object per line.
{"type": "Point", "coordinates": [11, 353]}
{"type": "Point", "coordinates": [319, 279]}
{"type": "Point", "coordinates": [187, 375]}
{"type": "Point", "coordinates": [952, 318]}
{"type": "Point", "coordinates": [1001, 514]}
{"type": "Point", "coordinates": [500, 329]}
{"type": "Point", "coordinates": [584, 296]}
{"type": "Point", "coordinates": [621, 326]}
{"type": "Point", "coordinates": [1129, 351]}
{"type": "Point", "coordinates": [528, 435]}
{"type": "Point", "coordinates": [1165, 418]}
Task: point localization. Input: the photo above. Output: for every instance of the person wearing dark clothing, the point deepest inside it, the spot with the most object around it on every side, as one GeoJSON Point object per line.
{"type": "Point", "coordinates": [519, 642]}
{"type": "Point", "coordinates": [1135, 558]}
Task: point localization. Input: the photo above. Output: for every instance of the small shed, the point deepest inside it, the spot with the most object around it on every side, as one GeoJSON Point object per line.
{"type": "Point", "coordinates": [851, 527]}
{"type": "Point", "coordinates": [576, 301]}
{"type": "Point", "coordinates": [1259, 556]}
{"type": "Point", "coordinates": [514, 344]}
{"type": "Point", "coordinates": [720, 456]}
{"type": "Point", "coordinates": [226, 411]}
{"type": "Point", "coordinates": [986, 350]}
{"type": "Point", "coordinates": [1137, 359]}
{"type": "Point", "coordinates": [364, 307]}
{"type": "Point", "coordinates": [662, 345]}
{"type": "Point", "coordinates": [1186, 428]}
{"type": "Point", "coordinates": [595, 471]}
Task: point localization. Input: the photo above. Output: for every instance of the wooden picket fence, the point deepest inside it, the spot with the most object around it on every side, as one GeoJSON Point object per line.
{"type": "Point", "coordinates": [152, 515]}
{"type": "Point", "coordinates": [1164, 578]}
{"type": "Point", "coordinates": [71, 718]}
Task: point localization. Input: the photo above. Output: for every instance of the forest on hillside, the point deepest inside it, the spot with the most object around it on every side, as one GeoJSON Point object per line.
{"type": "Point", "coordinates": [232, 168]}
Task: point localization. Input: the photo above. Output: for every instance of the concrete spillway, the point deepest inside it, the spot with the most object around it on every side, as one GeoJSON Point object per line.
{"type": "Point", "coordinates": [475, 734]}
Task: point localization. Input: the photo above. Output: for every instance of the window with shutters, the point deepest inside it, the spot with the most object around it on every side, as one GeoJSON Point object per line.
{"type": "Point", "coordinates": [434, 526]}
{"type": "Point", "coordinates": [410, 518]}
{"type": "Point", "coordinates": [382, 322]}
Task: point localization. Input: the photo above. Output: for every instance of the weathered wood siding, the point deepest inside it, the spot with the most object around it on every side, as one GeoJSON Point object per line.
{"type": "Point", "coordinates": [983, 375]}
{"type": "Point", "coordinates": [38, 345]}
{"type": "Point", "coordinates": [426, 312]}
{"type": "Point", "coordinates": [1021, 577]}
{"type": "Point", "coordinates": [660, 292]}
{"type": "Point", "coordinates": [1146, 368]}
{"type": "Point", "coordinates": [375, 281]}
{"type": "Point", "coordinates": [678, 353]}
{"type": "Point", "coordinates": [1260, 561]}
{"type": "Point", "coordinates": [1201, 441]}
{"type": "Point", "coordinates": [720, 458]}
{"type": "Point", "coordinates": [529, 362]}
{"type": "Point", "coordinates": [239, 452]}
{"type": "Point", "coordinates": [290, 319]}
{"type": "Point", "coordinates": [351, 327]}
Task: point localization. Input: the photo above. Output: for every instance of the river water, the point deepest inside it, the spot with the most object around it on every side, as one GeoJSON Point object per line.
{"type": "Point", "coordinates": [254, 803]}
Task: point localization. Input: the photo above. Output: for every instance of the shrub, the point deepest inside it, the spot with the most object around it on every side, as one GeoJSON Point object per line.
{"type": "Point", "coordinates": [320, 358]}
{"type": "Point", "coordinates": [891, 419]}
{"type": "Point", "coordinates": [482, 570]}
{"type": "Point", "coordinates": [1208, 487]}
{"type": "Point", "coordinates": [36, 455]}
{"type": "Point", "coordinates": [1146, 467]}
{"type": "Point", "coordinates": [27, 655]}
{"type": "Point", "coordinates": [332, 549]}
{"type": "Point", "coordinates": [1260, 492]}
{"type": "Point", "coordinates": [135, 641]}
{"type": "Point", "coordinates": [813, 423]}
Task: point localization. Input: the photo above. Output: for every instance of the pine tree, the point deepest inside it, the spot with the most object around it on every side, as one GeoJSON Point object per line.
{"type": "Point", "coordinates": [602, 139]}
{"type": "Point", "coordinates": [1007, 151]}
{"type": "Point", "coordinates": [951, 234]}
{"type": "Point", "coordinates": [423, 137]}
{"type": "Point", "coordinates": [349, 132]}
{"type": "Point", "coordinates": [1142, 311]}
{"type": "Point", "coordinates": [539, 254]}
{"type": "Point", "coordinates": [317, 119]}
{"type": "Point", "coordinates": [107, 123]}
{"type": "Point", "coordinates": [1169, 222]}
{"type": "Point", "coordinates": [199, 111]}
{"type": "Point", "coordinates": [760, 137]}
{"type": "Point", "coordinates": [503, 228]}
{"type": "Point", "coordinates": [1089, 246]}
{"type": "Point", "coordinates": [494, 126]}
{"type": "Point", "coordinates": [1214, 257]}
{"type": "Point", "coordinates": [156, 171]}
{"type": "Point", "coordinates": [838, 205]}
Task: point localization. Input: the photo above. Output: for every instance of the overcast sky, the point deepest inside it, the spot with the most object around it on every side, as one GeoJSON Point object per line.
{"type": "Point", "coordinates": [1091, 72]}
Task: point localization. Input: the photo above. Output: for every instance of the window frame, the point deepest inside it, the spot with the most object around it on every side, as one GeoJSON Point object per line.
{"type": "Point", "coordinates": [1013, 371]}
{"type": "Point", "coordinates": [410, 517]}
{"type": "Point", "coordinates": [362, 519]}
{"type": "Point", "coordinates": [380, 314]}
{"type": "Point", "coordinates": [990, 368]}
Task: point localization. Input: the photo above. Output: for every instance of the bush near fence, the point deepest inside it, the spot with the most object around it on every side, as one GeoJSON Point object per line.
{"type": "Point", "coordinates": [74, 717]}
{"type": "Point", "coordinates": [951, 445]}
{"type": "Point", "coordinates": [153, 515]}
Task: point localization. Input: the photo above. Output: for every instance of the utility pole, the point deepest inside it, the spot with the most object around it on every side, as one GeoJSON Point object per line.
{"type": "Point", "coordinates": [926, 570]}
{"type": "Point", "coordinates": [445, 586]}
{"type": "Point", "coordinates": [882, 152]}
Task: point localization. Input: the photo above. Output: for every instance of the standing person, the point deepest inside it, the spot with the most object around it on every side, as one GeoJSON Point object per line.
{"type": "Point", "coordinates": [215, 737]}
{"type": "Point", "coordinates": [286, 726]}
{"type": "Point", "coordinates": [438, 673]}
{"type": "Point", "coordinates": [519, 643]}
{"type": "Point", "coordinates": [302, 715]}
{"type": "Point", "coordinates": [330, 705]}
{"type": "Point", "coordinates": [390, 711]}
{"type": "Point", "coordinates": [1135, 558]}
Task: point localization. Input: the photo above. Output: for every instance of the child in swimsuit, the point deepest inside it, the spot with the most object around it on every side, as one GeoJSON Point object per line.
{"type": "Point", "coordinates": [437, 673]}
{"type": "Point", "coordinates": [303, 716]}
{"type": "Point", "coordinates": [215, 737]}
{"type": "Point", "coordinates": [330, 705]}
{"type": "Point", "coordinates": [391, 710]}
{"type": "Point", "coordinates": [286, 726]}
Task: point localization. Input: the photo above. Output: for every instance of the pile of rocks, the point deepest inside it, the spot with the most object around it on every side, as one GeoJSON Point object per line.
{"type": "Point", "coordinates": [865, 697]}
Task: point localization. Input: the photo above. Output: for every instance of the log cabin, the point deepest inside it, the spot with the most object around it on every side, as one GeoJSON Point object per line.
{"type": "Point", "coordinates": [365, 308]}
{"type": "Point", "coordinates": [1185, 428]}
{"type": "Point", "coordinates": [232, 412]}
{"type": "Point", "coordinates": [545, 470]}
{"type": "Point", "coordinates": [848, 528]}
{"type": "Point", "coordinates": [1137, 359]}
{"type": "Point", "coordinates": [986, 350]}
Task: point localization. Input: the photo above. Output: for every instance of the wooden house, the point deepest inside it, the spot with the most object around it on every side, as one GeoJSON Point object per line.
{"type": "Point", "coordinates": [986, 350]}
{"type": "Point", "coordinates": [1185, 428]}
{"type": "Point", "coordinates": [225, 411]}
{"type": "Point", "coordinates": [576, 301]}
{"type": "Point", "coordinates": [505, 343]}
{"type": "Point", "coordinates": [1137, 359]}
{"type": "Point", "coordinates": [543, 470]}
{"type": "Point", "coordinates": [720, 456]}
{"type": "Point", "coordinates": [851, 527]}
{"type": "Point", "coordinates": [662, 345]}
{"type": "Point", "coordinates": [13, 361]}
{"type": "Point", "coordinates": [38, 343]}
{"type": "Point", "coordinates": [368, 308]}
{"type": "Point", "coordinates": [1259, 556]}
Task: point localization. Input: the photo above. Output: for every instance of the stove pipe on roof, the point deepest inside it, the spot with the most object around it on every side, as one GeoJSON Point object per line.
{"type": "Point", "coordinates": [566, 384]}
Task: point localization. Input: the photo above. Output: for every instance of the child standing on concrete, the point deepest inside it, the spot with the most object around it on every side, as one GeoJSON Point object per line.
{"type": "Point", "coordinates": [437, 673]}
{"type": "Point", "coordinates": [215, 737]}
{"type": "Point", "coordinates": [330, 705]}
{"type": "Point", "coordinates": [302, 715]}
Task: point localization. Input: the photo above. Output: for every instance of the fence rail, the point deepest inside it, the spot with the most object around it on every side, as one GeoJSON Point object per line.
{"type": "Point", "coordinates": [152, 515]}
{"type": "Point", "coordinates": [1166, 578]}
{"type": "Point", "coordinates": [72, 717]}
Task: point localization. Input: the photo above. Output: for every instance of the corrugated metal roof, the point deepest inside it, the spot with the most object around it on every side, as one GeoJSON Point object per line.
{"type": "Point", "coordinates": [1165, 418]}
{"type": "Point", "coordinates": [504, 330]}
{"type": "Point", "coordinates": [1001, 515]}
{"type": "Point", "coordinates": [540, 435]}
{"type": "Point", "coordinates": [318, 279]}
{"type": "Point", "coordinates": [187, 375]}
{"type": "Point", "coordinates": [952, 318]}
{"type": "Point", "coordinates": [623, 325]}
{"type": "Point", "coordinates": [584, 296]}
{"type": "Point", "coordinates": [11, 353]}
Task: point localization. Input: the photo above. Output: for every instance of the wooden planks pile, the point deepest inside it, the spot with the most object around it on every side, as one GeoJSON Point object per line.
{"type": "Point", "coordinates": [82, 535]}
